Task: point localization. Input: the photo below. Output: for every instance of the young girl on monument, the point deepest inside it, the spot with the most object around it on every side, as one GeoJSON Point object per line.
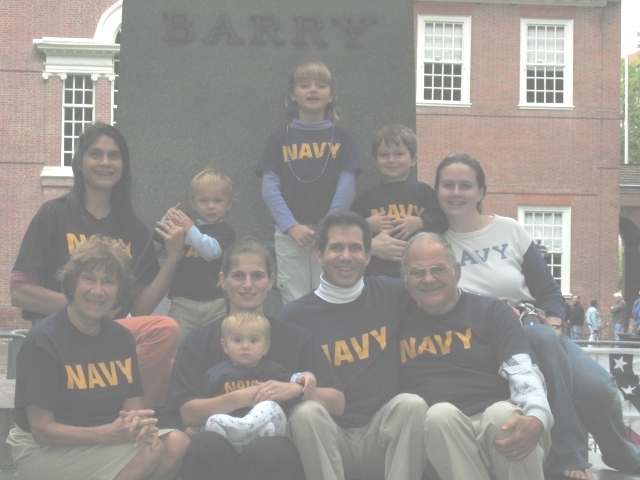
{"type": "Point", "coordinates": [308, 169]}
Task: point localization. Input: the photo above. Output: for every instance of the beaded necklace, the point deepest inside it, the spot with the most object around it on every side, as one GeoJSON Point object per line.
{"type": "Point", "coordinates": [333, 129]}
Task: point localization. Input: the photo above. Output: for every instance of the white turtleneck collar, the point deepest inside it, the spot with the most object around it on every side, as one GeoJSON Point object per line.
{"type": "Point", "coordinates": [332, 294]}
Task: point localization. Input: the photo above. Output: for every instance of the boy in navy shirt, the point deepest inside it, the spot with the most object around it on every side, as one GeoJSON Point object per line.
{"type": "Point", "coordinates": [399, 206]}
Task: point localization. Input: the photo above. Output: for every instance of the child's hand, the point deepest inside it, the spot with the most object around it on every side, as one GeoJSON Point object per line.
{"type": "Point", "coordinates": [406, 226]}
{"type": "Point", "coordinates": [308, 382]}
{"type": "Point", "coordinates": [302, 235]}
{"type": "Point", "coordinates": [180, 218]}
{"type": "Point", "coordinates": [381, 221]}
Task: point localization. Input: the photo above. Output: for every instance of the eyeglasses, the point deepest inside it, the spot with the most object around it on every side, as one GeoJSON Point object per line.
{"type": "Point", "coordinates": [435, 271]}
{"type": "Point", "coordinates": [556, 327]}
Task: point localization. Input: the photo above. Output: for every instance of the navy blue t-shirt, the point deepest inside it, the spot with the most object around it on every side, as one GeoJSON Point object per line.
{"type": "Point", "coordinates": [309, 166]}
{"type": "Point", "coordinates": [195, 278]}
{"type": "Point", "coordinates": [225, 377]}
{"type": "Point", "coordinates": [360, 340]}
{"type": "Point", "coordinates": [57, 228]}
{"type": "Point", "coordinates": [456, 357]}
{"type": "Point", "coordinates": [408, 198]}
{"type": "Point", "coordinates": [84, 380]}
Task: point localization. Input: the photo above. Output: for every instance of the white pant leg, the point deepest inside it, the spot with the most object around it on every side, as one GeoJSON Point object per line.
{"type": "Point", "coordinates": [298, 269]}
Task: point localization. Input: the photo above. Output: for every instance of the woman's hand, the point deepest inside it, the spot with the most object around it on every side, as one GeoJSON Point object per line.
{"type": "Point", "coordinates": [173, 236]}
{"type": "Point", "coordinates": [275, 391]}
{"type": "Point", "coordinates": [142, 424]}
{"type": "Point", "coordinates": [302, 235]}
{"type": "Point", "coordinates": [134, 426]}
{"type": "Point", "coordinates": [381, 221]}
{"type": "Point", "coordinates": [180, 218]}
{"type": "Point", "coordinates": [406, 226]}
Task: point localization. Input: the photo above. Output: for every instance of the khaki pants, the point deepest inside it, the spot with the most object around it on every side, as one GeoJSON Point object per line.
{"type": "Point", "coordinates": [460, 447]}
{"type": "Point", "coordinates": [191, 314]}
{"type": "Point", "coordinates": [389, 447]}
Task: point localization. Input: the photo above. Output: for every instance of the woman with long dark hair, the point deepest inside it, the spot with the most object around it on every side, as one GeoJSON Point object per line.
{"type": "Point", "coordinates": [100, 203]}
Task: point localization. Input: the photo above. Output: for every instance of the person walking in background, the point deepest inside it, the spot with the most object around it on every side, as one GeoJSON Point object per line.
{"type": "Point", "coordinates": [619, 315]}
{"type": "Point", "coordinates": [576, 318]}
{"type": "Point", "coordinates": [593, 321]}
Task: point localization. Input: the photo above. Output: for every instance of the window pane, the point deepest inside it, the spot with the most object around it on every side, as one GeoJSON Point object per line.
{"type": "Point", "coordinates": [77, 112]}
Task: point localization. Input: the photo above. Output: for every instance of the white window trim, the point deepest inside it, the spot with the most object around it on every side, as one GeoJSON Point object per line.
{"type": "Point", "coordinates": [566, 238]}
{"type": "Point", "coordinates": [568, 56]}
{"type": "Point", "coordinates": [466, 63]}
{"type": "Point", "coordinates": [81, 56]}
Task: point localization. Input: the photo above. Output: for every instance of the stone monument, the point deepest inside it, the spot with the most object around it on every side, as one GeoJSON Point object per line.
{"type": "Point", "coordinates": [202, 83]}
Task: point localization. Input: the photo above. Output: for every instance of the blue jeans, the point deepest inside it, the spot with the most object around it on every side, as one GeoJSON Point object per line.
{"type": "Point", "coordinates": [576, 332]}
{"type": "Point", "coordinates": [618, 328]}
{"type": "Point", "coordinates": [580, 392]}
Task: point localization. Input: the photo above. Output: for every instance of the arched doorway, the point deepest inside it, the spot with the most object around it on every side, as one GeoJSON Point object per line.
{"type": "Point", "coordinates": [630, 234]}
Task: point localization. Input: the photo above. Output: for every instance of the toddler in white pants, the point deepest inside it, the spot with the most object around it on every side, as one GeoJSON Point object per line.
{"type": "Point", "coordinates": [246, 339]}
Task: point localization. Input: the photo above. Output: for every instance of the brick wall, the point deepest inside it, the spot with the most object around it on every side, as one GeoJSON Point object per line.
{"type": "Point", "coordinates": [31, 112]}
{"type": "Point", "coordinates": [541, 157]}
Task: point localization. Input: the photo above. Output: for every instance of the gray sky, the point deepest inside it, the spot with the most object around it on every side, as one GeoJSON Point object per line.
{"type": "Point", "coordinates": [630, 25]}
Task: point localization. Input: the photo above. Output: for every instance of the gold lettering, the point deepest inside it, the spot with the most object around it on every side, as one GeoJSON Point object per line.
{"type": "Point", "coordinates": [73, 379]}
{"type": "Point", "coordinates": [229, 387]}
{"type": "Point", "coordinates": [334, 149]}
{"type": "Point", "coordinates": [326, 351]}
{"type": "Point", "coordinates": [305, 151]}
{"type": "Point", "coordinates": [427, 345]}
{"type": "Point", "coordinates": [290, 152]}
{"type": "Point", "coordinates": [418, 210]}
{"type": "Point", "coordinates": [126, 369]}
{"type": "Point", "coordinates": [319, 152]}
{"type": "Point", "coordinates": [445, 347]}
{"type": "Point", "coordinates": [407, 348]}
{"type": "Point", "coordinates": [111, 375]}
{"type": "Point", "coordinates": [403, 212]}
{"type": "Point", "coordinates": [466, 338]}
{"type": "Point", "coordinates": [342, 353]}
{"type": "Point", "coordinates": [363, 352]}
{"type": "Point", "coordinates": [94, 377]}
{"type": "Point", "coordinates": [73, 241]}
{"type": "Point", "coordinates": [393, 211]}
{"type": "Point", "coordinates": [380, 337]}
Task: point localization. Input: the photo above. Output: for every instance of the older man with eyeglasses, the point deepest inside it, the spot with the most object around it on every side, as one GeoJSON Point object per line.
{"type": "Point", "coordinates": [467, 356]}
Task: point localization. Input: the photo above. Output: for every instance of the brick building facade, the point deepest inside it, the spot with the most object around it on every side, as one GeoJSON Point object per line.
{"type": "Point", "coordinates": [551, 153]}
{"type": "Point", "coordinates": [551, 161]}
{"type": "Point", "coordinates": [45, 45]}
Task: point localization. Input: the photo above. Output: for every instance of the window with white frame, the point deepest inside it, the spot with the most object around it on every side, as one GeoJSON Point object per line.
{"type": "Point", "coordinates": [114, 84]}
{"type": "Point", "coordinates": [546, 63]}
{"type": "Point", "coordinates": [77, 112]}
{"type": "Point", "coordinates": [443, 61]}
{"type": "Point", "coordinates": [551, 227]}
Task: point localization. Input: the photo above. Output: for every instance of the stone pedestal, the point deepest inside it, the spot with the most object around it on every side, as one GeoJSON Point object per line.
{"type": "Point", "coordinates": [203, 84]}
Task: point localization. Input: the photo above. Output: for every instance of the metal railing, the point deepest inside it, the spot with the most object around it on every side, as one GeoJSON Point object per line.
{"type": "Point", "coordinates": [16, 338]}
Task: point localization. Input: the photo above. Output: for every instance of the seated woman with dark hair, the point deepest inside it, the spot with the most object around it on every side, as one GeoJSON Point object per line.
{"type": "Point", "coordinates": [246, 276]}
{"type": "Point", "coordinates": [78, 407]}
